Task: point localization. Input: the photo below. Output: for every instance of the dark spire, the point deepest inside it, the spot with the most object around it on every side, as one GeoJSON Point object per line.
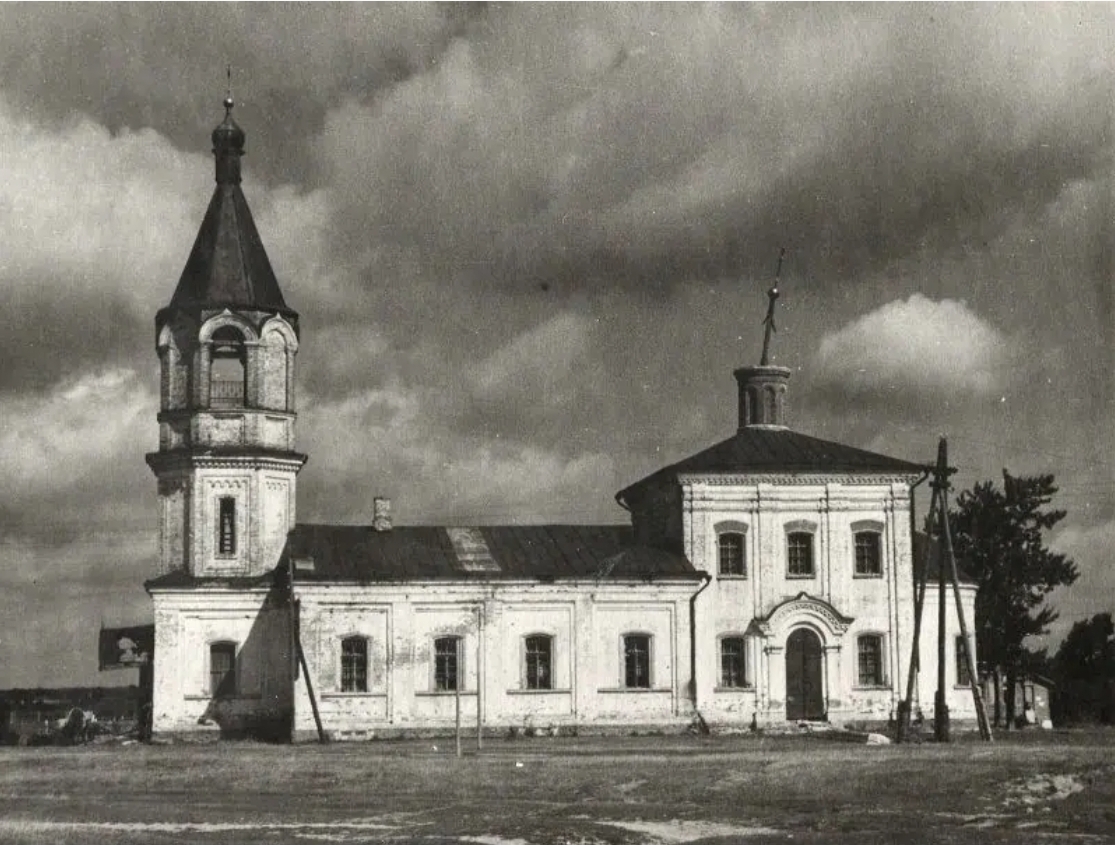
{"type": "Point", "coordinates": [768, 321]}
{"type": "Point", "coordinates": [228, 265]}
{"type": "Point", "coordinates": [762, 389]}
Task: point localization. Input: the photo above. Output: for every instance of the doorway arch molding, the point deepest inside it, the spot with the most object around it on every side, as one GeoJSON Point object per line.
{"type": "Point", "coordinates": [802, 609]}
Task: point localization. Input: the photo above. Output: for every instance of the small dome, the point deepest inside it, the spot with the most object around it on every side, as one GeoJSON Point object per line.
{"type": "Point", "coordinates": [228, 136]}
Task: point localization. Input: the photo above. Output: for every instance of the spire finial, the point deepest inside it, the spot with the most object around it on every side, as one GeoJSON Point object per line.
{"type": "Point", "coordinates": [228, 91]}
{"type": "Point", "coordinates": [768, 321]}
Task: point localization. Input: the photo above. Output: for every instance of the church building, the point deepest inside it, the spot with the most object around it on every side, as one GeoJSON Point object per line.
{"type": "Point", "coordinates": [764, 580]}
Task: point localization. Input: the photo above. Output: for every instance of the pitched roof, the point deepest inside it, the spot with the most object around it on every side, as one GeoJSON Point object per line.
{"type": "Point", "coordinates": [360, 554]}
{"type": "Point", "coordinates": [228, 264]}
{"type": "Point", "coordinates": [755, 449]}
{"type": "Point", "coordinates": [546, 552]}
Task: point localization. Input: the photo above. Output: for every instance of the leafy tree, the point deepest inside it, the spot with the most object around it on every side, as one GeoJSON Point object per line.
{"type": "Point", "coordinates": [1085, 669]}
{"type": "Point", "coordinates": [999, 535]}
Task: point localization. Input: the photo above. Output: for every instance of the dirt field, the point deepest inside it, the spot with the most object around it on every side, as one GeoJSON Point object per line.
{"type": "Point", "coordinates": [1037, 788]}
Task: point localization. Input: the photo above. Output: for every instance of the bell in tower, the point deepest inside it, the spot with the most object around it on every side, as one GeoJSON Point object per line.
{"type": "Point", "coordinates": [227, 343]}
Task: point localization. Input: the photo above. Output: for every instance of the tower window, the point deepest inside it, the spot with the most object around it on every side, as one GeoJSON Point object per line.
{"type": "Point", "coordinates": [226, 526]}
{"type": "Point", "coordinates": [868, 554]}
{"type": "Point", "coordinates": [354, 664]}
{"type": "Point", "coordinates": [226, 383]}
{"type": "Point", "coordinates": [538, 659]}
{"type": "Point", "coordinates": [447, 652]}
{"type": "Point", "coordinates": [636, 661]}
{"type": "Point", "coordinates": [732, 559]}
{"type": "Point", "coordinates": [799, 549]}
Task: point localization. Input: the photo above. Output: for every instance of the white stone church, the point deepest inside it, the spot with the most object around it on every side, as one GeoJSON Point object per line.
{"type": "Point", "coordinates": [766, 579]}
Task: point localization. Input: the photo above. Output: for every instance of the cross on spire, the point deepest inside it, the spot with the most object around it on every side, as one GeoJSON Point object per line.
{"type": "Point", "coordinates": [768, 321]}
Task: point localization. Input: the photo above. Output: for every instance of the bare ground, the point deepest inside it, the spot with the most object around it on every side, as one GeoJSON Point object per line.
{"type": "Point", "coordinates": [1036, 788]}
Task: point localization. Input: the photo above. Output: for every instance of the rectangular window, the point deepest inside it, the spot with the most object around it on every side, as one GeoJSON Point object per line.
{"type": "Point", "coordinates": [732, 663]}
{"type": "Point", "coordinates": [732, 560]}
{"type": "Point", "coordinates": [963, 679]}
{"type": "Point", "coordinates": [538, 655]}
{"type": "Point", "coordinates": [354, 664]}
{"type": "Point", "coordinates": [446, 660]}
{"type": "Point", "coordinates": [636, 661]}
{"type": "Point", "coordinates": [226, 526]}
{"type": "Point", "coordinates": [870, 648]}
{"type": "Point", "coordinates": [799, 549]}
{"type": "Point", "coordinates": [868, 553]}
{"type": "Point", "coordinates": [222, 669]}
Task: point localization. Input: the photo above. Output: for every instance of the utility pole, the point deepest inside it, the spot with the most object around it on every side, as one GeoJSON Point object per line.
{"type": "Point", "coordinates": [939, 518]}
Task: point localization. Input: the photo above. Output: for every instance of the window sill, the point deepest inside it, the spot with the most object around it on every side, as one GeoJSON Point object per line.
{"type": "Point", "coordinates": [633, 690]}
{"type": "Point", "coordinates": [808, 577]}
{"type": "Point", "coordinates": [730, 690]}
{"type": "Point", "coordinates": [862, 576]}
{"type": "Point", "coordinates": [338, 694]}
{"type": "Point", "coordinates": [235, 697]}
{"type": "Point", "coordinates": [732, 577]}
{"type": "Point", "coordinates": [539, 691]}
{"type": "Point", "coordinates": [872, 687]}
{"type": "Point", "coordinates": [444, 693]}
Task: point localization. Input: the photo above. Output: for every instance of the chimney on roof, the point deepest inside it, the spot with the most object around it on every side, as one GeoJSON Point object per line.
{"type": "Point", "coordinates": [381, 514]}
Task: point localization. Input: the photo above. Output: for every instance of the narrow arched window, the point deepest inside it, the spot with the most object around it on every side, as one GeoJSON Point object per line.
{"type": "Point", "coordinates": [733, 662]}
{"type": "Point", "coordinates": [963, 678]}
{"type": "Point", "coordinates": [222, 669]}
{"type": "Point", "coordinates": [732, 557]}
{"type": "Point", "coordinates": [226, 525]}
{"type": "Point", "coordinates": [636, 661]}
{"type": "Point", "coordinates": [799, 554]}
{"type": "Point", "coordinates": [447, 658]}
{"type": "Point", "coordinates": [539, 657]}
{"type": "Point", "coordinates": [869, 558]}
{"type": "Point", "coordinates": [354, 664]}
{"type": "Point", "coordinates": [869, 658]}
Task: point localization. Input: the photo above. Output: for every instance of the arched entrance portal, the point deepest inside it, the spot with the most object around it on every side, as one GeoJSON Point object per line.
{"type": "Point", "coordinates": [805, 697]}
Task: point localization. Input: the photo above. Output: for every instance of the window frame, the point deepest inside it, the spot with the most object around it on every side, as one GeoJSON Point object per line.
{"type": "Point", "coordinates": [864, 529]}
{"type": "Point", "coordinates": [458, 663]}
{"type": "Point", "coordinates": [880, 681]}
{"type": "Point", "coordinates": [959, 646]}
{"type": "Point", "coordinates": [229, 684]}
{"type": "Point", "coordinates": [532, 681]}
{"type": "Point", "coordinates": [231, 550]}
{"type": "Point", "coordinates": [726, 531]}
{"type": "Point", "coordinates": [626, 653]}
{"type": "Point", "coordinates": [795, 531]}
{"type": "Point", "coordinates": [721, 678]}
{"type": "Point", "coordinates": [345, 658]}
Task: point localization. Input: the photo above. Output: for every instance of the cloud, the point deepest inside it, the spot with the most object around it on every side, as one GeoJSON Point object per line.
{"type": "Point", "coordinates": [1090, 546]}
{"type": "Point", "coordinates": [914, 349]}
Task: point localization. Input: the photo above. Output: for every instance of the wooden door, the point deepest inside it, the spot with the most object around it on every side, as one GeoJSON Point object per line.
{"type": "Point", "coordinates": [805, 697]}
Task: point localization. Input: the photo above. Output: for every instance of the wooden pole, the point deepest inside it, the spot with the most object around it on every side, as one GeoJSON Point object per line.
{"type": "Point", "coordinates": [480, 678]}
{"type": "Point", "coordinates": [940, 705]}
{"type": "Point", "coordinates": [920, 579]}
{"type": "Point", "coordinates": [457, 697]}
{"type": "Point", "coordinates": [309, 684]}
{"type": "Point", "coordinates": [977, 696]}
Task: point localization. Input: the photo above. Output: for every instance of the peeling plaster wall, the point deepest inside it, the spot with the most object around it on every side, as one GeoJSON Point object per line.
{"type": "Point", "coordinates": [586, 622]}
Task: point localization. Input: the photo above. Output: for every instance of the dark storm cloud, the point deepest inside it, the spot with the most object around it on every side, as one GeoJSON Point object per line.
{"type": "Point", "coordinates": [165, 67]}
{"type": "Point", "coordinates": [529, 243]}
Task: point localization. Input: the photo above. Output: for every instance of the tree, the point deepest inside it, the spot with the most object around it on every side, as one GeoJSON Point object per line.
{"type": "Point", "coordinates": [1085, 670]}
{"type": "Point", "coordinates": [999, 537]}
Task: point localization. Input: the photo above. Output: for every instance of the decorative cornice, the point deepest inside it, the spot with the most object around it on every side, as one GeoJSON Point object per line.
{"type": "Point", "coordinates": [849, 479]}
{"type": "Point", "coordinates": [285, 461]}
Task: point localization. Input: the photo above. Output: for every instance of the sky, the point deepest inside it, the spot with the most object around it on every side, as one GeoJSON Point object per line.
{"type": "Point", "coordinates": [529, 244]}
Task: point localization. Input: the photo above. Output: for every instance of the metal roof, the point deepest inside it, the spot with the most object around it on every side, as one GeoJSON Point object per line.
{"type": "Point", "coordinates": [778, 450]}
{"type": "Point", "coordinates": [360, 554]}
{"type": "Point", "coordinates": [228, 264]}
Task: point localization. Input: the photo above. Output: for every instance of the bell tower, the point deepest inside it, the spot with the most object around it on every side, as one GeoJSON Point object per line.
{"type": "Point", "coordinates": [226, 465]}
